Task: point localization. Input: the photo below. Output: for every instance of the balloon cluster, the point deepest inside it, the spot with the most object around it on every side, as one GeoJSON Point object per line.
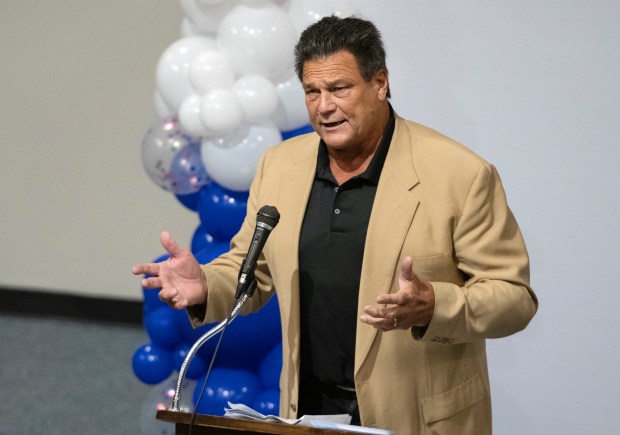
{"type": "Point", "coordinates": [225, 92]}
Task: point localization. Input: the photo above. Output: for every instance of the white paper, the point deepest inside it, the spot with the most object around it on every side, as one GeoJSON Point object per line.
{"type": "Point", "coordinates": [339, 422]}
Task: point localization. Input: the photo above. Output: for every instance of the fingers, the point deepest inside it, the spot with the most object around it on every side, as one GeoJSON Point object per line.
{"type": "Point", "coordinates": [382, 324]}
{"type": "Point", "coordinates": [412, 305]}
{"type": "Point", "coordinates": [407, 277]}
{"type": "Point", "coordinates": [153, 268]}
{"type": "Point", "coordinates": [169, 244]}
{"type": "Point", "coordinates": [168, 296]}
{"type": "Point", "coordinates": [409, 284]}
{"type": "Point", "coordinates": [151, 283]}
{"type": "Point", "coordinates": [173, 298]}
{"type": "Point", "coordinates": [386, 316]}
{"type": "Point", "coordinates": [398, 298]}
{"type": "Point", "coordinates": [379, 312]}
{"type": "Point", "coordinates": [384, 319]}
{"type": "Point", "coordinates": [145, 269]}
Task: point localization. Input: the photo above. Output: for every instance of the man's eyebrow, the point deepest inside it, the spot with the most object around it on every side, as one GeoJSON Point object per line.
{"type": "Point", "coordinates": [328, 83]}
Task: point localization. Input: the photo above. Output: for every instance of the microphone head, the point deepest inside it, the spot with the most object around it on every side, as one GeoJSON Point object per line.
{"type": "Point", "coordinates": [269, 215]}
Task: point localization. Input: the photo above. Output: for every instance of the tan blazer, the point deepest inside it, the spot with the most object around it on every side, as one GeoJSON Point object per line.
{"type": "Point", "coordinates": [439, 203]}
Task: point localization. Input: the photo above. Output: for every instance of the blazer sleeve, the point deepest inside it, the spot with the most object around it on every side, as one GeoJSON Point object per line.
{"type": "Point", "coordinates": [496, 299]}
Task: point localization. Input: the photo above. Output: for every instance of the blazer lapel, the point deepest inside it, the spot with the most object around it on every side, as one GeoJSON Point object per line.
{"type": "Point", "coordinates": [392, 213]}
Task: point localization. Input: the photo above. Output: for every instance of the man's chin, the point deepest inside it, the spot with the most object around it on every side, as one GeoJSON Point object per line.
{"type": "Point", "coordinates": [335, 140]}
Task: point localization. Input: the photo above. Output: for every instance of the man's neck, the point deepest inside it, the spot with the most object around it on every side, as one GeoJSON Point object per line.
{"type": "Point", "coordinates": [344, 168]}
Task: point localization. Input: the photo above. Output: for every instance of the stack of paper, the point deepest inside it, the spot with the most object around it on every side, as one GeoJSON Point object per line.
{"type": "Point", "coordinates": [340, 422]}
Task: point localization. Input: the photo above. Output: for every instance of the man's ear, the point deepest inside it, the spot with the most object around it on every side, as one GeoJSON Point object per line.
{"type": "Point", "coordinates": [381, 79]}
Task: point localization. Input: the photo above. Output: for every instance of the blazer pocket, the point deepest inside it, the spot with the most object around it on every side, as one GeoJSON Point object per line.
{"type": "Point", "coordinates": [438, 268]}
{"type": "Point", "coordinates": [453, 401]}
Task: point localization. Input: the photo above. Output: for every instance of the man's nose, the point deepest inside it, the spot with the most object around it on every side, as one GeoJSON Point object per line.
{"type": "Point", "coordinates": [326, 103]}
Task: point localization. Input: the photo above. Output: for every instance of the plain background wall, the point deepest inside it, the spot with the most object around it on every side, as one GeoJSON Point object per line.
{"type": "Point", "coordinates": [531, 86]}
{"type": "Point", "coordinates": [76, 100]}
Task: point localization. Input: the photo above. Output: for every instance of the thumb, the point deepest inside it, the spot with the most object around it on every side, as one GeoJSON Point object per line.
{"type": "Point", "coordinates": [406, 269]}
{"type": "Point", "coordinates": [169, 244]}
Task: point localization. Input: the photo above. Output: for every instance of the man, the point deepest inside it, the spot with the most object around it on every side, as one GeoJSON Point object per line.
{"type": "Point", "coordinates": [383, 221]}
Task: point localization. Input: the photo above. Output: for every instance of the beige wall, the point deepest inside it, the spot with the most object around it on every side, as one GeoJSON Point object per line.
{"type": "Point", "coordinates": [77, 208]}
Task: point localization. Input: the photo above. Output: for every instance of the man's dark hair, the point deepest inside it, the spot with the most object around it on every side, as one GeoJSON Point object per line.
{"type": "Point", "coordinates": [332, 34]}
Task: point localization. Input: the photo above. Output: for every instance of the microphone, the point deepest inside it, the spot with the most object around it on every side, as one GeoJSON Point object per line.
{"type": "Point", "coordinates": [266, 220]}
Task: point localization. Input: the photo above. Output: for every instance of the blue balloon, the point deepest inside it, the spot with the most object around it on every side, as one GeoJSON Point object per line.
{"type": "Point", "coordinates": [201, 239]}
{"type": "Point", "coordinates": [151, 296]}
{"type": "Point", "coordinates": [248, 338]}
{"type": "Point", "coordinates": [188, 331]}
{"type": "Point", "coordinates": [297, 131]}
{"type": "Point", "coordinates": [221, 210]}
{"type": "Point", "coordinates": [226, 385]}
{"type": "Point", "coordinates": [151, 364]}
{"type": "Point", "coordinates": [270, 368]}
{"type": "Point", "coordinates": [163, 329]}
{"type": "Point", "coordinates": [197, 366]}
{"type": "Point", "coordinates": [267, 402]}
{"type": "Point", "coordinates": [209, 252]}
{"type": "Point", "coordinates": [189, 200]}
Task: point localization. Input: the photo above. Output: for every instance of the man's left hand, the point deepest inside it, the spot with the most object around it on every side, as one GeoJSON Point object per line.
{"type": "Point", "coordinates": [412, 305]}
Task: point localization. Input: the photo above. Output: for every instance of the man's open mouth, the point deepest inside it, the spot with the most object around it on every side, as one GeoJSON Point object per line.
{"type": "Point", "coordinates": [332, 124]}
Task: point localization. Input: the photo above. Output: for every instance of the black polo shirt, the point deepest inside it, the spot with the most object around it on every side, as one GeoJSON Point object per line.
{"type": "Point", "coordinates": [331, 249]}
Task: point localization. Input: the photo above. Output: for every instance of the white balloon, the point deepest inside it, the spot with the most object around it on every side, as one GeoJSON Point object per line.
{"type": "Point", "coordinates": [230, 139]}
{"type": "Point", "coordinates": [258, 40]}
{"type": "Point", "coordinates": [306, 12]}
{"type": "Point", "coordinates": [254, 2]}
{"type": "Point", "coordinates": [189, 116]}
{"type": "Point", "coordinates": [206, 15]}
{"type": "Point", "coordinates": [220, 111]}
{"type": "Point", "coordinates": [257, 96]}
{"type": "Point", "coordinates": [291, 112]}
{"type": "Point", "coordinates": [211, 70]}
{"type": "Point", "coordinates": [234, 166]}
{"type": "Point", "coordinates": [172, 74]}
{"type": "Point", "coordinates": [161, 108]}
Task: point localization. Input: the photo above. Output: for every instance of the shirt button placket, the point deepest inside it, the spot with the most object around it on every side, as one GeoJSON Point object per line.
{"type": "Point", "coordinates": [336, 209]}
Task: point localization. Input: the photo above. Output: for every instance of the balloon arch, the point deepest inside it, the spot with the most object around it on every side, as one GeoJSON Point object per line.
{"type": "Point", "coordinates": [225, 92]}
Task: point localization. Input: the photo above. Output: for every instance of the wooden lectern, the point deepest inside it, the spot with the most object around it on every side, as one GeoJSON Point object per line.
{"type": "Point", "coordinates": [212, 425]}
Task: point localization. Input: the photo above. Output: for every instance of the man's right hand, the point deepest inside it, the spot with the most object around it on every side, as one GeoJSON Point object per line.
{"type": "Point", "coordinates": [180, 277]}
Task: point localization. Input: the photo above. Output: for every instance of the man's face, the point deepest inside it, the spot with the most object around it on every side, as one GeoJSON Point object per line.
{"type": "Point", "coordinates": [344, 109]}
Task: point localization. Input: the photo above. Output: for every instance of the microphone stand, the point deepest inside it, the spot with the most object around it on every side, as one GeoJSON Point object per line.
{"type": "Point", "coordinates": [206, 337]}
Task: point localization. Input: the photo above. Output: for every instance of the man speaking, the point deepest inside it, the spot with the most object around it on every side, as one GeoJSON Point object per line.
{"type": "Point", "coordinates": [395, 256]}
